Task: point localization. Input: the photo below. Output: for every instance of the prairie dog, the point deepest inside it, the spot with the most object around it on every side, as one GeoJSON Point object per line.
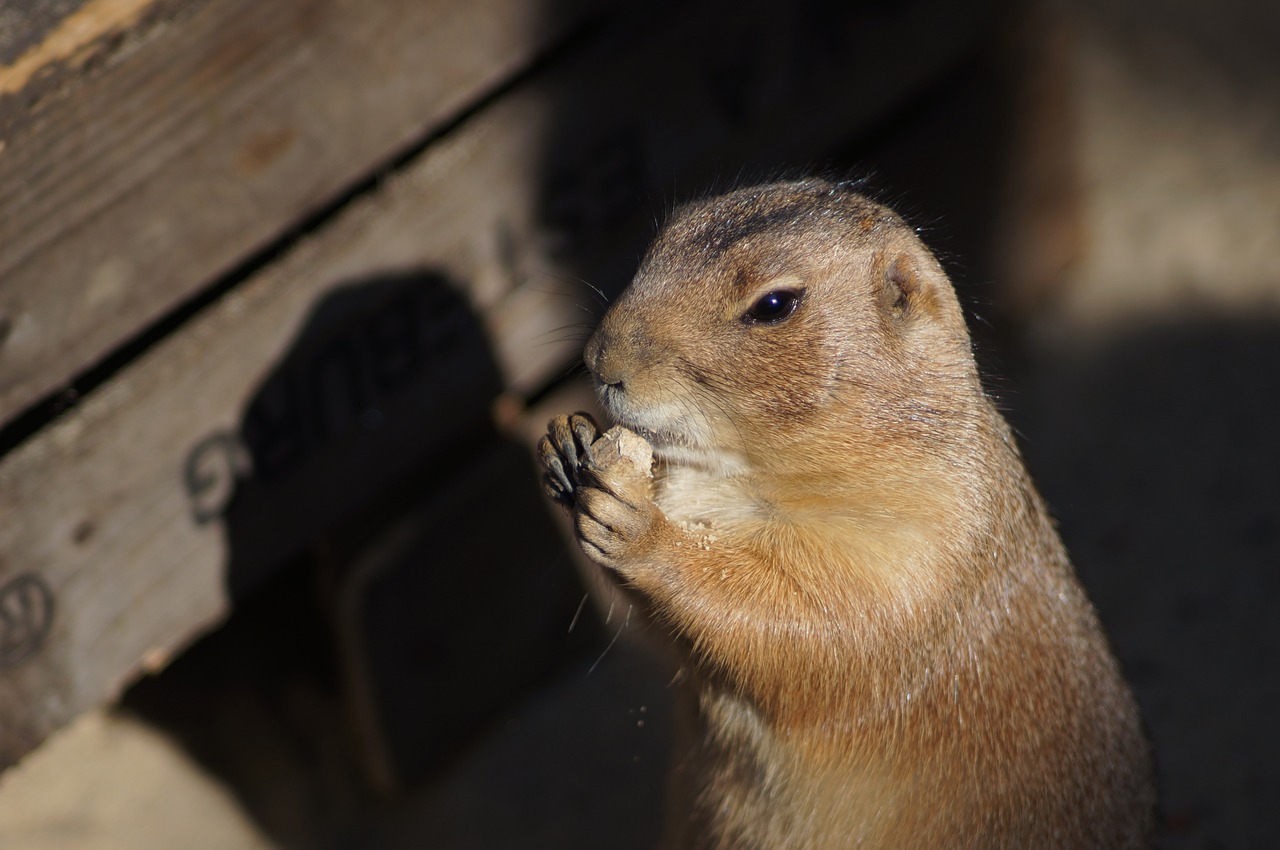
{"type": "Point", "coordinates": [883, 640]}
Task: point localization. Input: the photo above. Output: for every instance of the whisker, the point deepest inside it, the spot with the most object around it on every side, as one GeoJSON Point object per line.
{"type": "Point", "coordinates": [573, 279]}
{"type": "Point", "coordinates": [576, 614]}
{"type": "Point", "coordinates": [625, 622]}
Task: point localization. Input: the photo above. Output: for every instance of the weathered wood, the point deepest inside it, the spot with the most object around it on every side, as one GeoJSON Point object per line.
{"type": "Point", "coordinates": [37, 38]}
{"type": "Point", "coordinates": [200, 137]}
{"type": "Point", "coordinates": [227, 441]}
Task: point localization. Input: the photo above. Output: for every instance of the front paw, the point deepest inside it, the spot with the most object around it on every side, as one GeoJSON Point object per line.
{"type": "Point", "coordinates": [606, 480]}
{"type": "Point", "coordinates": [615, 514]}
{"type": "Point", "coordinates": [564, 452]}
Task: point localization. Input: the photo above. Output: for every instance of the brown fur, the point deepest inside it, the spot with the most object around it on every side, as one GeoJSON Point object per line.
{"type": "Point", "coordinates": [884, 642]}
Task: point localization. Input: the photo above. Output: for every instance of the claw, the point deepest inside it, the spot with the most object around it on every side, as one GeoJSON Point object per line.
{"type": "Point", "coordinates": [584, 432]}
{"type": "Point", "coordinates": [560, 435]}
{"type": "Point", "coordinates": [565, 453]}
{"type": "Point", "coordinates": [556, 481]}
{"type": "Point", "coordinates": [558, 478]}
{"type": "Point", "coordinates": [554, 488]}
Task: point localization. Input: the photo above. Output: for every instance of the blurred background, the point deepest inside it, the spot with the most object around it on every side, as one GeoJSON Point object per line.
{"type": "Point", "coordinates": [288, 290]}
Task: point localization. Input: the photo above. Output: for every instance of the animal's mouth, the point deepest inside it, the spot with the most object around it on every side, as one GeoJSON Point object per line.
{"type": "Point", "coordinates": [659, 438]}
{"type": "Point", "coordinates": [675, 431]}
{"type": "Point", "coordinates": [611, 396]}
{"type": "Point", "coordinates": [677, 441]}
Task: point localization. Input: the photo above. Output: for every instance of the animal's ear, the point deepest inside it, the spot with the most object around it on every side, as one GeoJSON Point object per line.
{"type": "Point", "coordinates": [906, 289]}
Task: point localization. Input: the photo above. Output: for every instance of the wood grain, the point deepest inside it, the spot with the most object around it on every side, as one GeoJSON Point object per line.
{"type": "Point", "coordinates": [184, 151]}
{"type": "Point", "coordinates": [559, 178]}
{"type": "Point", "coordinates": [69, 41]}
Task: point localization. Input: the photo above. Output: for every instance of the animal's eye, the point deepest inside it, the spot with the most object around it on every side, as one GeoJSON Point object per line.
{"type": "Point", "coordinates": [772, 307]}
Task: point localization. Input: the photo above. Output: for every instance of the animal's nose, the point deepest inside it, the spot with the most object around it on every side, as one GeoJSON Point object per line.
{"type": "Point", "coordinates": [597, 356]}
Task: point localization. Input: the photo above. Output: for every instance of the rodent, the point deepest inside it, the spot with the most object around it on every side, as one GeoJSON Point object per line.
{"type": "Point", "coordinates": [883, 641]}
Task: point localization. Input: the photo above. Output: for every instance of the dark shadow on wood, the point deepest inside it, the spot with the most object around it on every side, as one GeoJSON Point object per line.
{"type": "Point", "coordinates": [397, 581]}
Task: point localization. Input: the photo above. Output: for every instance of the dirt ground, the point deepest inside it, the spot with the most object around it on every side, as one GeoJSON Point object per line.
{"type": "Point", "coordinates": [1147, 397]}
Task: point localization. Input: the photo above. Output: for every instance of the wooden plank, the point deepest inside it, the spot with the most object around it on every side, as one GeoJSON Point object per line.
{"type": "Point", "coordinates": [183, 150]}
{"type": "Point", "coordinates": [47, 36]}
{"type": "Point", "coordinates": [229, 440]}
